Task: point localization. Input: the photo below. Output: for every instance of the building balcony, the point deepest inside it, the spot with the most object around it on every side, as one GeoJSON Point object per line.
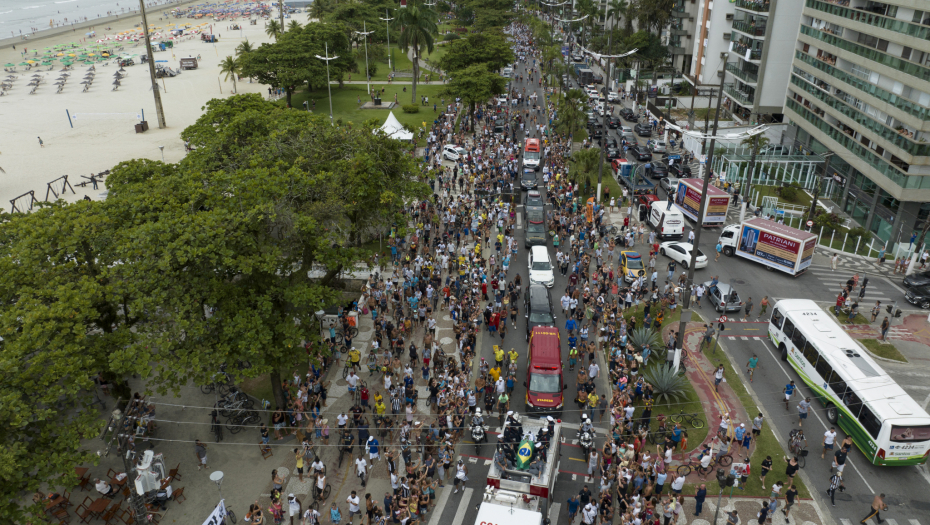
{"type": "Point", "coordinates": [678, 31]}
{"type": "Point", "coordinates": [679, 12]}
{"type": "Point", "coordinates": [879, 57]}
{"type": "Point", "coordinates": [750, 28]}
{"type": "Point", "coordinates": [745, 76]}
{"type": "Point", "coordinates": [743, 98]}
{"type": "Point", "coordinates": [759, 6]}
{"type": "Point", "coordinates": [875, 20]}
{"type": "Point", "coordinates": [744, 50]}
{"type": "Point", "coordinates": [677, 50]}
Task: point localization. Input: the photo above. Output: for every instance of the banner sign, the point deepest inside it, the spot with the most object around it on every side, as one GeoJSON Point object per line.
{"type": "Point", "coordinates": [688, 199]}
{"type": "Point", "coordinates": [217, 516]}
{"type": "Point", "coordinates": [769, 247]}
{"type": "Point", "coordinates": [807, 256]}
{"type": "Point", "coordinates": [716, 210]}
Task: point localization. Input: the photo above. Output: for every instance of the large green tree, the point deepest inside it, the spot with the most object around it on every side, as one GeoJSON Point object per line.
{"type": "Point", "coordinates": [489, 47]}
{"type": "Point", "coordinates": [418, 34]}
{"type": "Point", "coordinates": [475, 84]}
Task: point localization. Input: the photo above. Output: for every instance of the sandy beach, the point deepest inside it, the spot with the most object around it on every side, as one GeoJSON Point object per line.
{"type": "Point", "coordinates": [103, 120]}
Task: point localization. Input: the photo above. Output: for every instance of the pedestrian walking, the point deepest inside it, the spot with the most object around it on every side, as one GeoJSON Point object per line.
{"type": "Point", "coordinates": [803, 408]}
{"type": "Point", "coordinates": [878, 505]}
{"type": "Point", "coordinates": [733, 518]}
{"type": "Point", "coordinates": [718, 377]}
{"type": "Point", "coordinates": [41, 144]}
{"type": "Point", "coordinates": [789, 391]}
{"type": "Point", "coordinates": [833, 260]}
{"type": "Point", "coordinates": [763, 306]}
{"type": "Point", "coordinates": [836, 483]}
{"type": "Point", "coordinates": [829, 438]}
{"type": "Point", "coordinates": [791, 496]}
{"type": "Point", "coordinates": [200, 450]}
{"type": "Point", "coordinates": [719, 249]}
{"type": "Point", "coordinates": [876, 310]}
{"type": "Point", "coordinates": [763, 514]}
{"type": "Point", "coordinates": [886, 324]}
{"type": "Point", "coordinates": [748, 309]}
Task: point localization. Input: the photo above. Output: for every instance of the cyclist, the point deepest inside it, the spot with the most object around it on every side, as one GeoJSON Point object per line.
{"type": "Point", "coordinates": [320, 485]}
{"type": "Point", "coordinates": [355, 359]}
{"type": "Point", "coordinates": [751, 366]}
{"type": "Point", "coordinates": [352, 380]}
{"type": "Point", "coordinates": [796, 437]}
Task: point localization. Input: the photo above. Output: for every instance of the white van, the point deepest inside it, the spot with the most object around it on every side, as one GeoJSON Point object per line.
{"type": "Point", "coordinates": [668, 224]}
{"type": "Point", "coordinates": [507, 72]}
{"type": "Point", "coordinates": [541, 271]}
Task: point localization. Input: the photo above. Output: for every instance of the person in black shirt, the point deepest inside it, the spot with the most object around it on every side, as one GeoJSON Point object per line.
{"type": "Point", "coordinates": [764, 469]}
{"type": "Point", "coordinates": [585, 496]}
{"type": "Point", "coordinates": [790, 496]}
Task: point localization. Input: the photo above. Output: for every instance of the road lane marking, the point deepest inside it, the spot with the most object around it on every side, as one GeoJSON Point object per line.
{"type": "Point", "coordinates": [463, 507]}
{"type": "Point", "coordinates": [816, 414]}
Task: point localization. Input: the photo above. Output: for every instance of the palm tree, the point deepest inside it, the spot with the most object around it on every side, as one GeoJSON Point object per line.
{"type": "Point", "coordinates": [419, 28]}
{"type": "Point", "coordinates": [616, 10]}
{"type": "Point", "coordinates": [231, 67]}
{"type": "Point", "coordinates": [294, 26]}
{"type": "Point", "coordinates": [756, 142]}
{"type": "Point", "coordinates": [584, 166]}
{"type": "Point", "coordinates": [244, 48]}
{"type": "Point", "coordinates": [273, 29]}
{"type": "Point", "coordinates": [570, 112]}
{"type": "Point", "coordinates": [317, 10]}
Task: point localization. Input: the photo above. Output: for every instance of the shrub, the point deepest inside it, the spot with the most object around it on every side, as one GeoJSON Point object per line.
{"type": "Point", "coordinates": [667, 385]}
{"type": "Point", "coordinates": [791, 192]}
{"type": "Point", "coordinates": [410, 108]}
{"type": "Point", "coordinates": [828, 221]}
{"type": "Point", "coordinates": [643, 336]}
{"type": "Point", "coordinates": [857, 232]}
{"type": "Point", "coordinates": [448, 37]}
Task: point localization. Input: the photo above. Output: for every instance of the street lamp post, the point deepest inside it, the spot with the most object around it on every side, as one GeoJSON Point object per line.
{"type": "Point", "coordinates": [329, 88]}
{"type": "Point", "coordinates": [159, 110]}
{"type": "Point", "coordinates": [387, 25]}
{"type": "Point", "coordinates": [364, 34]}
{"type": "Point", "coordinates": [826, 166]}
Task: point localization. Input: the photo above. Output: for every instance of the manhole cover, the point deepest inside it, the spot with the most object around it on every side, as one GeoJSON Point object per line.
{"type": "Point", "coordinates": [737, 281]}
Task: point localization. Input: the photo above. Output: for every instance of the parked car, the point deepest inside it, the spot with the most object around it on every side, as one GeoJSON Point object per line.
{"type": "Point", "coordinates": [723, 297]}
{"type": "Point", "coordinates": [669, 184]}
{"type": "Point", "coordinates": [916, 280]}
{"type": "Point", "coordinates": [680, 252]}
{"type": "Point", "coordinates": [658, 146]}
{"type": "Point", "coordinates": [680, 171]}
{"type": "Point", "coordinates": [613, 96]}
{"type": "Point", "coordinates": [626, 132]}
{"type": "Point", "coordinates": [453, 152]}
{"type": "Point", "coordinates": [614, 122]}
{"type": "Point", "coordinates": [595, 123]}
{"type": "Point", "coordinates": [628, 114]}
{"type": "Point", "coordinates": [643, 130]}
{"type": "Point", "coordinates": [597, 134]}
{"type": "Point", "coordinates": [641, 153]}
{"type": "Point", "coordinates": [613, 153]}
{"type": "Point", "coordinates": [609, 142]}
{"type": "Point", "coordinates": [659, 170]}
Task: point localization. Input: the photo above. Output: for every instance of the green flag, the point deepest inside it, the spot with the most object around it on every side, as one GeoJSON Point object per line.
{"type": "Point", "coordinates": [525, 454]}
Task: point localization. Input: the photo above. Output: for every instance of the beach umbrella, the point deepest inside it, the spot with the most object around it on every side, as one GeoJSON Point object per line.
{"type": "Point", "coordinates": [47, 62]}
{"type": "Point", "coordinates": [71, 55]}
{"type": "Point", "coordinates": [23, 64]}
{"type": "Point", "coordinates": [9, 65]}
{"type": "Point", "coordinates": [30, 61]}
{"type": "Point", "coordinates": [87, 82]}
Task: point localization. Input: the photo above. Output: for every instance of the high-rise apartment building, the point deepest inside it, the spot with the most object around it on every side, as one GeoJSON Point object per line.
{"type": "Point", "coordinates": [860, 87]}
{"type": "Point", "coordinates": [756, 33]}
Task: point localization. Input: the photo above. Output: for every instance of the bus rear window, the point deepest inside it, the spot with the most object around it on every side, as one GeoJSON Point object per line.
{"type": "Point", "coordinates": [906, 434]}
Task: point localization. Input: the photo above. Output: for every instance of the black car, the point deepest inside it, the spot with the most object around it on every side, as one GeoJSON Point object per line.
{"type": "Point", "coordinates": [597, 134]}
{"type": "Point", "coordinates": [533, 198]}
{"type": "Point", "coordinates": [641, 153]}
{"type": "Point", "coordinates": [538, 308]}
{"type": "Point", "coordinates": [609, 142]}
{"type": "Point", "coordinates": [628, 114]}
{"type": "Point", "coordinates": [613, 153]}
{"type": "Point", "coordinates": [643, 130]}
{"type": "Point", "coordinates": [679, 171]}
{"type": "Point", "coordinates": [595, 123]}
{"type": "Point", "coordinates": [919, 296]}
{"type": "Point", "coordinates": [535, 236]}
{"type": "Point", "coordinates": [614, 122]}
{"type": "Point", "coordinates": [659, 170]}
{"type": "Point", "coordinates": [917, 280]}
{"type": "Point", "coordinates": [528, 180]}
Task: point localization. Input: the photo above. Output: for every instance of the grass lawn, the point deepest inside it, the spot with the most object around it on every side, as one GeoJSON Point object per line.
{"type": "Point", "coordinates": [346, 107]}
{"type": "Point", "coordinates": [883, 349]}
{"type": "Point", "coordinates": [399, 62]}
{"type": "Point", "coordinates": [438, 51]}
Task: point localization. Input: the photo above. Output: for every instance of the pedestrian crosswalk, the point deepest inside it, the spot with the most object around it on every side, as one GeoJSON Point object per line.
{"type": "Point", "coordinates": [836, 280]}
{"type": "Point", "coordinates": [872, 521]}
{"type": "Point", "coordinates": [744, 337]}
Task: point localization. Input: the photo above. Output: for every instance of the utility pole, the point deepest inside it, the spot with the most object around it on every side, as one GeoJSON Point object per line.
{"type": "Point", "coordinates": [113, 437]}
{"type": "Point", "coordinates": [387, 23]}
{"type": "Point", "coordinates": [686, 293]}
{"type": "Point", "coordinates": [826, 167]}
{"type": "Point", "coordinates": [159, 110]}
{"type": "Point", "coordinates": [281, 13]}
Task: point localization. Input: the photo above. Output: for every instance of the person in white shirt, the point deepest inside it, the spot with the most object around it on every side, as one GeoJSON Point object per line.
{"type": "Point", "coordinates": [678, 484]}
{"type": "Point", "coordinates": [353, 501]}
{"type": "Point", "coordinates": [103, 487]}
{"type": "Point", "coordinates": [566, 302]}
{"type": "Point", "coordinates": [361, 469]}
{"type": "Point", "coordinates": [293, 506]}
{"type": "Point", "coordinates": [311, 517]}
{"type": "Point", "coordinates": [589, 514]}
{"type": "Point", "coordinates": [594, 371]}
{"type": "Point", "coordinates": [829, 437]}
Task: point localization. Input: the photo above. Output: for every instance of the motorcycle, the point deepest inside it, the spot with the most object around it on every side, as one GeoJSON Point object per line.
{"type": "Point", "coordinates": [586, 442]}
{"type": "Point", "coordinates": [479, 434]}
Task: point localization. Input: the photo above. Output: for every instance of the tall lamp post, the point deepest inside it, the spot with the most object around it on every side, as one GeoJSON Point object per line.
{"type": "Point", "coordinates": [826, 166]}
{"type": "Point", "coordinates": [329, 88]}
{"type": "Point", "coordinates": [159, 111]}
{"type": "Point", "coordinates": [686, 295]}
{"type": "Point", "coordinates": [388, 26]}
{"type": "Point", "coordinates": [596, 56]}
{"type": "Point", "coordinates": [364, 34]}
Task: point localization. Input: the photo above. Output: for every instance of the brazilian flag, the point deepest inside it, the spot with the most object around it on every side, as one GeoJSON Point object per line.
{"type": "Point", "coordinates": [525, 454]}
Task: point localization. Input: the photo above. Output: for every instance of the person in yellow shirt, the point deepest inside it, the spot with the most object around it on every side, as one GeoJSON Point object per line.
{"type": "Point", "coordinates": [379, 407]}
{"type": "Point", "coordinates": [498, 355]}
{"type": "Point", "coordinates": [513, 355]}
{"type": "Point", "coordinates": [592, 403]}
{"type": "Point", "coordinates": [495, 373]}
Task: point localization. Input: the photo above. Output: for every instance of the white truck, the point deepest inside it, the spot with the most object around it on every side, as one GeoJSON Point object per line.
{"type": "Point", "coordinates": [522, 481]}
{"type": "Point", "coordinates": [776, 246]}
{"type": "Point", "coordinates": [688, 200]}
{"type": "Point", "coordinates": [668, 223]}
{"type": "Point", "coordinates": [504, 507]}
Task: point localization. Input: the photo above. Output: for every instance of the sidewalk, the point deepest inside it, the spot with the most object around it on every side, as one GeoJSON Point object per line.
{"type": "Point", "coordinates": [854, 263]}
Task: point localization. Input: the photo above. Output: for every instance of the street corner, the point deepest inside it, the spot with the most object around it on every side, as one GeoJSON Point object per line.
{"type": "Point", "coordinates": [747, 509]}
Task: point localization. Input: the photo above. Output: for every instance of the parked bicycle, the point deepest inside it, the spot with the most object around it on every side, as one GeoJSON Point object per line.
{"type": "Point", "coordinates": [694, 464]}
{"type": "Point", "coordinates": [688, 419]}
{"type": "Point", "coordinates": [216, 427]}
{"type": "Point", "coordinates": [242, 418]}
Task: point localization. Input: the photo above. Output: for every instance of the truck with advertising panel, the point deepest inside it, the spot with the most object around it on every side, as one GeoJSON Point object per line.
{"type": "Point", "coordinates": [776, 246]}
{"type": "Point", "coordinates": [688, 200]}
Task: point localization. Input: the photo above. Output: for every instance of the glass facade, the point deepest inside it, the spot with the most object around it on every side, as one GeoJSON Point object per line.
{"type": "Point", "coordinates": [872, 19]}
{"type": "Point", "coordinates": [880, 57]}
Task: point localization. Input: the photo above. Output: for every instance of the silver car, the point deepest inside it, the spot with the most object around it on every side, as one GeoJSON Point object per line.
{"type": "Point", "coordinates": [658, 146]}
{"type": "Point", "coordinates": [627, 133]}
{"type": "Point", "coordinates": [722, 297]}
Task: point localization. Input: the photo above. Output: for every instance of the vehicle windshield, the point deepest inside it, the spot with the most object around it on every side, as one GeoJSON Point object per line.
{"type": "Point", "coordinates": [634, 263]}
{"type": "Point", "coordinates": [545, 383]}
{"type": "Point", "coordinates": [535, 228]}
{"type": "Point", "coordinates": [531, 155]}
{"type": "Point", "coordinates": [541, 317]}
{"type": "Point", "coordinates": [535, 217]}
{"type": "Point", "coordinates": [700, 253]}
{"type": "Point", "coordinates": [541, 266]}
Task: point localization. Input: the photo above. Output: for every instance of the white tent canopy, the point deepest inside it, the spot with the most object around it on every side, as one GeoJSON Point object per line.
{"type": "Point", "coordinates": [394, 129]}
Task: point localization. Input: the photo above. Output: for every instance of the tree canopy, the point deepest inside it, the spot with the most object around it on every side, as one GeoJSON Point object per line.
{"type": "Point", "coordinates": [489, 47]}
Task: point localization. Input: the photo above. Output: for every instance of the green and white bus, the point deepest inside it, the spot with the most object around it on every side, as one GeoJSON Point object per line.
{"type": "Point", "coordinates": [887, 425]}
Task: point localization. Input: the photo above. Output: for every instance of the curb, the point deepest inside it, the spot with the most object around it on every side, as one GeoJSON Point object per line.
{"type": "Point", "coordinates": [862, 346]}
{"type": "Point", "coordinates": [870, 271]}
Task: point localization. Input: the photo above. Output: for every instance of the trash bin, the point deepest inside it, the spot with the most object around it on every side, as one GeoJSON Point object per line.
{"type": "Point", "coordinates": [377, 101]}
{"type": "Point", "coordinates": [139, 128]}
{"type": "Point", "coordinates": [145, 125]}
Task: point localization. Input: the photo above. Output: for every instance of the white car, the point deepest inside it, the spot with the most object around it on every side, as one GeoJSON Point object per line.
{"type": "Point", "coordinates": [680, 252]}
{"type": "Point", "coordinates": [452, 152]}
{"type": "Point", "coordinates": [540, 266]}
{"type": "Point", "coordinates": [613, 96]}
{"type": "Point", "coordinates": [659, 146]}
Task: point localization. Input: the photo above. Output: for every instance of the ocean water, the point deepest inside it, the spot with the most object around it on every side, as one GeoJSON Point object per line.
{"type": "Point", "coordinates": [23, 17]}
